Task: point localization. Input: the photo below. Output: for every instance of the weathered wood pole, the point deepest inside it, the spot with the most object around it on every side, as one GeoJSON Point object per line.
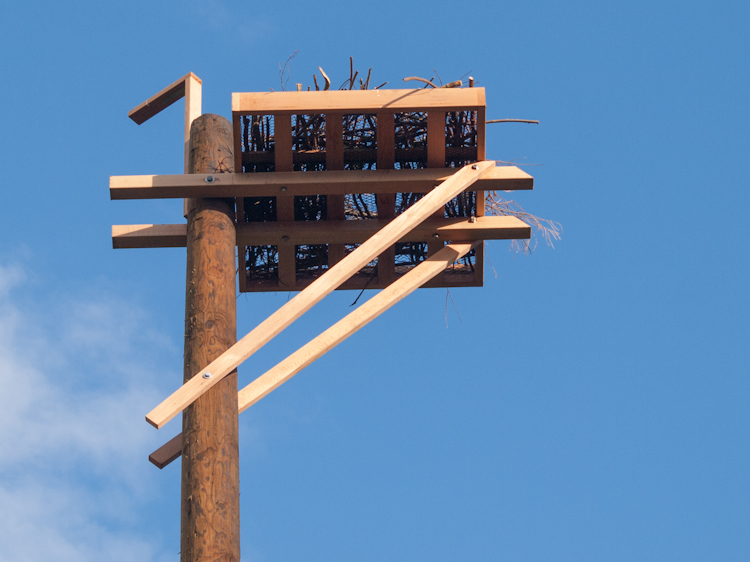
{"type": "Point", "coordinates": [210, 506]}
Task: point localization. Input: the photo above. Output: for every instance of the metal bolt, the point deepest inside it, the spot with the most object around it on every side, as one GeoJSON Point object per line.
{"type": "Point", "coordinates": [282, 188]}
{"type": "Point", "coordinates": [472, 219]}
{"type": "Point", "coordinates": [207, 375]}
{"type": "Point", "coordinates": [210, 179]}
{"type": "Point", "coordinates": [436, 235]}
{"type": "Point", "coordinates": [285, 238]}
{"type": "Point", "coordinates": [473, 166]}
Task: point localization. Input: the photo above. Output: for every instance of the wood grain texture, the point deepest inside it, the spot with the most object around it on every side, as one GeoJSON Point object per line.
{"type": "Point", "coordinates": [356, 101]}
{"type": "Point", "coordinates": [210, 468]}
{"type": "Point", "coordinates": [382, 180]}
{"type": "Point", "coordinates": [325, 342]}
{"type": "Point", "coordinates": [317, 290]}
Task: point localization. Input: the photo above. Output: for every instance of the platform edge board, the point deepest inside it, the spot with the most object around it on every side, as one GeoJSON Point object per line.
{"type": "Point", "coordinates": [356, 101]}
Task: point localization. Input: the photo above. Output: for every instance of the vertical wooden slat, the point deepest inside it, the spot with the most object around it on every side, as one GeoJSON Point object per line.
{"type": "Point", "coordinates": [193, 104]}
{"type": "Point", "coordinates": [335, 161]}
{"type": "Point", "coordinates": [239, 202]}
{"type": "Point", "coordinates": [386, 158]}
{"type": "Point", "coordinates": [283, 160]}
{"type": "Point", "coordinates": [436, 159]}
{"type": "Point", "coordinates": [479, 249]}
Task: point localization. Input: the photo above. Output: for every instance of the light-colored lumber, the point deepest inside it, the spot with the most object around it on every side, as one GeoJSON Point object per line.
{"type": "Point", "coordinates": [297, 233]}
{"type": "Point", "coordinates": [325, 342]}
{"type": "Point", "coordinates": [161, 100]}
{"type": "Point", "coordinates": [316, 291]}
{"type": "Point", "coordinates": [350, 324]}
{"type": "Point", "coordinates": [269, 184]}
{"type": "Point", "coordinates": [356, 101]}
{"type": "Point", "coordinates": [193, 102]}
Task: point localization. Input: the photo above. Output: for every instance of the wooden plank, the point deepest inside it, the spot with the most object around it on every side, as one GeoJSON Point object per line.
{"type": "Point", "coordinates": [436, 159]}
{"type": "Point", "coordinates": [149, 236]}
{"type": "Point", "coordinates": [324, 285]}
{"type": "Point", "coordinates": [386, 202]}
{"type": "Point", "coordinates": [291, 233]}
{"type": "Point", "coordinates": [500, 178]}
{"type": "Point", "coordinates": [285, 203]}
{"type": "Point", "coordinates": [356, 101]}
{"type": "Point", "coordinates": [335, 161]}
{"type": "Point", "coordinates": [161, 100]}
{"type": "Point", "coordinates": [168, 452]}
{"type": "Point", "coordinates": [193, 102]}
{"type": "Point", "coordinates": [333, 336]}
{"type": "Point", "coordinates": [481, 194]}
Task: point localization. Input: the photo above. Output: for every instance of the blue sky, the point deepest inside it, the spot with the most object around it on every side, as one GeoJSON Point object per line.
{"type": "Point", "coordinates": [589, 404]}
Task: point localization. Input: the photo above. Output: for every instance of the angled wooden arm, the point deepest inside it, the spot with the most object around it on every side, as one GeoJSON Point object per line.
{"type": "Point", "coordinates": [316, 291]}
{"type": "Point", "coordinates": [191, 88]}
{"type": "Point", "coordinates": [316, 348]}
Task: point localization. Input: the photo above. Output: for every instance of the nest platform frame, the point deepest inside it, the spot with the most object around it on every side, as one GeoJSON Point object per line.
{"type": "Point", "coordinates": [357, 167]}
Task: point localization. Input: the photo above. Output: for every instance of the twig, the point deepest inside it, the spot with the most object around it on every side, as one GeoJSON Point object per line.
{"type": "Point", "coordinates": [512, 121]}
{"type": "Point", "coordinates": [447, 295]}
{"type": "Point", "coordinates": [284, 70]}
{"type": "Point", "coordinates": [325, 77]}
{"type": "Point", "coordinates": [418, 79]}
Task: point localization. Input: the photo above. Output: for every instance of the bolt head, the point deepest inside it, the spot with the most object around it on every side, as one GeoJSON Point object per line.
{"type": "Point", "coordinates": [285, 238]}
{"type": "Point", "coordinates": [210, 179]}
{"type": "Point", "coordinates": [282, 188]}
{"type": "Point", "coordinates": [474, 166]}
{"type": "Point", "coordinates": [207, 375]}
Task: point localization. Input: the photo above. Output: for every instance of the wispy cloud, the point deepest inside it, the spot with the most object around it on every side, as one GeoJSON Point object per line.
{"type": "Point", "coordinates": [73, 475]}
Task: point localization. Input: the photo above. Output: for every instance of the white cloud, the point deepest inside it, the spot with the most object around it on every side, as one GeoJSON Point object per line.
{"type": "Point", "coordinates": [73, 474]}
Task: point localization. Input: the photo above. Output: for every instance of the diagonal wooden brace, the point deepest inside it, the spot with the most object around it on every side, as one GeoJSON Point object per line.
{"type": "Point", "coordinates": [315, 292]}
{"type": "Point", "coordinates": [316, 348]}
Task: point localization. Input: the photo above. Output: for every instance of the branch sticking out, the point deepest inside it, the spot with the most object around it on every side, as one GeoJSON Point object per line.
{"type": "Point", "coordinates": [512, 121]}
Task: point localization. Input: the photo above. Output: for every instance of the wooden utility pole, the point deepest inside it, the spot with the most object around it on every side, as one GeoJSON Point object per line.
{"type": "Point", "coordinates": [210, 510]}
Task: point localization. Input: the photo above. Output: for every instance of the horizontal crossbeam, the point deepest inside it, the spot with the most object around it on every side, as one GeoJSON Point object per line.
{"type": "Point", "coordinates": [357, 101]}
{"type": "Point", "coordinates": [316, 291]}
{"type": "Point", "coordinates": [326, 232]}
{"type": "Point", "coordinates": [339, 182]}
{"type": "Point", "coordinates": [316, 348]}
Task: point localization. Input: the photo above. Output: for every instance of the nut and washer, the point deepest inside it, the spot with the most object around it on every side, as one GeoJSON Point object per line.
{"type": "Point", "coordinates": [207, 375]}
{"type": "Point", "coordinates": [210, 179]}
